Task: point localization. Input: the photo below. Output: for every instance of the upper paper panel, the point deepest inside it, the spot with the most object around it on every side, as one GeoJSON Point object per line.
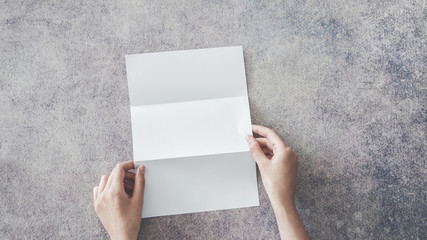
{"type": "Point", "coordinates": [188, 75]}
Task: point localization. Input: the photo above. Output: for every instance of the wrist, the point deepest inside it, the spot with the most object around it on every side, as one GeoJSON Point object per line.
{"type": "Point", "coordinates": [281, 200]}
{"type": "Point", "coordinates": [283, 205]}
{"type": "Point", "coordinates": [124, 236]}
{"type": "Point", "coordinates": [288, 220]}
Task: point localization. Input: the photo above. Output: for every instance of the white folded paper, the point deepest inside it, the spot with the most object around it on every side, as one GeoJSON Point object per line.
{"type": "Point", "coordinates": [190, 115]}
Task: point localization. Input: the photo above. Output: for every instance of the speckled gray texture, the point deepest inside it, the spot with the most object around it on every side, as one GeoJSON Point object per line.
{"type": "Point", "coordinates": [343, 82]}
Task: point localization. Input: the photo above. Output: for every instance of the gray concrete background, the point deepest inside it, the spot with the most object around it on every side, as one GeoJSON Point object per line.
{"type": "Point", "coordinates": [343, 82]}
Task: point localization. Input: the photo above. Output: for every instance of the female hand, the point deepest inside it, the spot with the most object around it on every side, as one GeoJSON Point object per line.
{"type": "Point", "coordinates": [118, 203]}
{"type": "Point", "coordinates": [278, 166]}
{"type": "Point", "coordinates": [277, 163]}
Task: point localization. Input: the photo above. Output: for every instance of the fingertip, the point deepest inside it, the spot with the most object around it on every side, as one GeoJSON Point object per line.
{"type": "Point", "coordinates": [255, 126]}
{"type": "Point", "coordinates": [141, 169]}
{"type": "Point", "coordinates": [253, 143]}
{"type": "Point", "coordinates": [248, 139]}
{"type": "Point", "coordinates": [116, 168]}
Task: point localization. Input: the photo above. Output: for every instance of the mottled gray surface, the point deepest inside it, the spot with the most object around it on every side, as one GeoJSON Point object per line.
{"type": "Point", "coordinates": [343, 82]}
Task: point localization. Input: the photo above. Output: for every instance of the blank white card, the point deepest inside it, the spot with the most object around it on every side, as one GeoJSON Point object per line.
{"type": "Point", "coordinates": [190, 115]}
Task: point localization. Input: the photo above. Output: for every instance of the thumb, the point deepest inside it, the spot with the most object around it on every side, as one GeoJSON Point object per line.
{"type": "Point", "coordinates": [139, 186]}
{"type": "Point", "coordinates": [255, 149]}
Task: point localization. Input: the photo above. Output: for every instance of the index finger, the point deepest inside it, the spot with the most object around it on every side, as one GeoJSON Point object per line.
{"type": "Point", "coordinates": [269, 134]}
{"type": "Point", "coordinates": [128, 165]}
{"type": "Point", "coordinates": [118, 174]}
{"type": "Point", "coordinates": [121, 170]}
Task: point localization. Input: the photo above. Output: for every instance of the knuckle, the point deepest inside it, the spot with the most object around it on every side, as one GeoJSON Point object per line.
{"type": "Point", "coordinates": [112, 193]}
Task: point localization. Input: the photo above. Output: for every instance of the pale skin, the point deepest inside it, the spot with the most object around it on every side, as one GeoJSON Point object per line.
{"type": "Point", "coordinates": [278, 166]}
{"type": "Point", "coordinates": [119, 211]}
{"type": "Point", "coordinates": [118, 203]}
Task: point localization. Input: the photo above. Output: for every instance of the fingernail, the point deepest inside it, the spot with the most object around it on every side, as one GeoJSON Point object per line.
{"type": "Point", "coordinates": [142, 169]}
{"type": "Point", "coordinates": [248, 139]}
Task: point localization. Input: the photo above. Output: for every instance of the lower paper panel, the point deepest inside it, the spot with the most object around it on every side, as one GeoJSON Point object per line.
{"type": "Point", "coordinates": [198, 184]}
